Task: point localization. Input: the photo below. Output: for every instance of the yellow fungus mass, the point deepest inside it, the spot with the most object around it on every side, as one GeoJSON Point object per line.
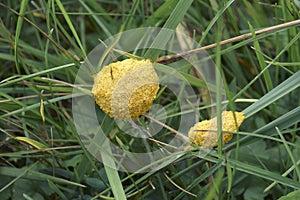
{"type": "Point", "coordinates": [126, 89]}
{"type": "Point", "coordinates": [205, 134]}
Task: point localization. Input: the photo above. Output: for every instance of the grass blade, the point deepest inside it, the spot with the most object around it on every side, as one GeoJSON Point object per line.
{"type": "Point", "coordinates": [164, 35]}
{"type": "Point", "coordinates": [256, 171]}
{"type": "Point", "coordinates": [283, 122]}
{"type": "Point", "coordinates": [18, 31]}
{"type": "Point", "coordinates": [69, 22]}
{"type": "Point", "coordinates": [3, 84]}
{"type": "Point", "coordinates": [281, 90]}
{"type": "Point", "coordinates": [34, 175]}
{"type": "Point", "coordinates": [289, 152]}
{"type": "Point", "coordinates": [112, 174]}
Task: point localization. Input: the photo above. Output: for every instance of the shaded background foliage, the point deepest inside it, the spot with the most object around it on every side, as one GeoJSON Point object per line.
{"type": "Point", "coordinates": [46, 36]}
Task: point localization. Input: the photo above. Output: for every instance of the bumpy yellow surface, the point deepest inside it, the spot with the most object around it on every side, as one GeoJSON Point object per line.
{"type": "Point", "coordinates": [126, 89]}
{"type": "Point", "coordinates": [200, 135]}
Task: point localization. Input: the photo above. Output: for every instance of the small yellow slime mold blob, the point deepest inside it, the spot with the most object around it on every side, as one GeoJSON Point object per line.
{"type": "Point", "coordinates": [201, 135]}
{"type": "Point", "coordinates": [126, 89]}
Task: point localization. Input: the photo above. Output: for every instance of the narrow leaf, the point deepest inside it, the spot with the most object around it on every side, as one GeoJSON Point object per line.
{"type": "Point", "coordinates": [32, 142]}
{"type": "Point", "coordinates": [284, 88]}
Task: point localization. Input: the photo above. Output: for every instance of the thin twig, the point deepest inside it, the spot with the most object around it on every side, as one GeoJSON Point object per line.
{"type": "Point", "coordinates": [185, 191]}
{"type": "Point", "coordinates": [162, 143]}
{"type": "Point", "coordinates": [86, 91]}
{"type": "Point", "coordinates": [34, 96]}
{"type": "Point", "coordinates": [177, 134]}
{"type": "Point", "coordinates": [172, 58]}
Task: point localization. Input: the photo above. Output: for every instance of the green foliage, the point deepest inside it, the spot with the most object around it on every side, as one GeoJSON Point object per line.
{"type": "Point", "coordinates": [291, 196]}
{"type": "Point", "coordinates": [42, 44]}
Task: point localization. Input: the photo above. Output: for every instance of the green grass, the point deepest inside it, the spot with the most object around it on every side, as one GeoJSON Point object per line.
{"type": "Point", "coordinates": [42, 46]}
